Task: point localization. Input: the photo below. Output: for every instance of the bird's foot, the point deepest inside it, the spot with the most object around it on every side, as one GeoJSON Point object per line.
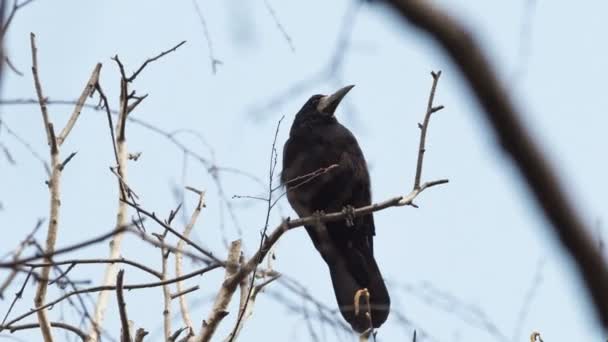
{"type": "Point", "coordinates": [349, 211]}
{"type": "Point", "coordinates": [317, 214]}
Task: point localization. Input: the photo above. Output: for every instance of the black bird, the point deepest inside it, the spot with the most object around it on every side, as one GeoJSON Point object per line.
{"type": "Point", "coordinates": [317, 140]}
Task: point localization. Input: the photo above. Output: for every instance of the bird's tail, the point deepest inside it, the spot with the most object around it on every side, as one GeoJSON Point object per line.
{"type": "Point", "coordinates": [348, 286]}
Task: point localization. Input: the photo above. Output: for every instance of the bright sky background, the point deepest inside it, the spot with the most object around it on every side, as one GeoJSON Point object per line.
{"type": "Point", "coordinates": [479, 239]}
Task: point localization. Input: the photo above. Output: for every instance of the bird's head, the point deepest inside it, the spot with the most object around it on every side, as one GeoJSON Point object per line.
{"type": "Point", "coordinates": [320, 108]}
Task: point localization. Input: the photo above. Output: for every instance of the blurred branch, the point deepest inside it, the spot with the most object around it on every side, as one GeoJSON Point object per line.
{"type": "Point", "coordinates": [27, 146]}
{"type": "Point", "coordinates": [17, 253]}
{"type": "Point", "coordinates": [212, 59]}
{"type": "Point", "coordinates": [280, 26]}
{"type": "Point", "coordinates": [76, 246]}
{"type": "Point", "coordinates": [517, 141]}
{"type": "Point", "coordinates": [4, 25]}
{"type": "Point", "coordinates": [330, 71]}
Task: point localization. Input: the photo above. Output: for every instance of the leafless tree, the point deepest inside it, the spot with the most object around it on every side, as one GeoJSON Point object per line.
{"type": "Point", "coordinates": [48, 264]}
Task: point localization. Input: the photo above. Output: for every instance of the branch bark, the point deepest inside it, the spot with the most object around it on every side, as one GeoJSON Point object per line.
{"type": "Point", "coordinates": [125, 332]}
{"type": "Point", "coordinates": [183, 303]}
{"type": "Point", "coordinates": [120, 145]}
{"type": "Point", "coordinates": [224, 295]}
{"type": "Point", "coordinates": [53, 182]}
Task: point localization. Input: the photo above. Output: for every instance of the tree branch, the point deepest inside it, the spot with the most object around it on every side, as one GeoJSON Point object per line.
{"type": "Point", "coordinates": [55, 202]}
{"type": "Point", "coordinates": [88, 90]}
{"type": "Point", "coordinates": [517, 141]}
{"type": "Point", "coordinates": [224, 295]}
{"type": "Point", "coordinates": [183, 303]}
{"type": "Point", "coordinates": [122, 308]}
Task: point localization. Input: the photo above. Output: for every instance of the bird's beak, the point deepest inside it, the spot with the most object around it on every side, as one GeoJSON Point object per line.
{"type": "Point", "coordinates": [329, 103]}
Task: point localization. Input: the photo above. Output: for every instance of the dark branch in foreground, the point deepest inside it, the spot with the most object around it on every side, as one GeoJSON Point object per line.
{"type": "Point", "coordinates": [517, 141]}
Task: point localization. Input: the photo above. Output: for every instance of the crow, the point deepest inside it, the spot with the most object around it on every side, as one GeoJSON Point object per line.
{"type": "Point", "coordinates": [316, 141]}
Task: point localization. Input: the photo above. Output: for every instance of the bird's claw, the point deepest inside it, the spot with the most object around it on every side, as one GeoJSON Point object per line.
{"type": "Point", "coordinates": [349, 211]}
{"type": "Point", "coordinates": [318, 213]}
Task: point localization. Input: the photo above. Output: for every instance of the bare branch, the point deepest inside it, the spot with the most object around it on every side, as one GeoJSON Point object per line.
{"type": "Point", "coordinates": [17, 253]}
{"type": "Point", "coordinates": [55, 201]}
{"type": "Point", "coordinates": [67, 160]}
{"type": "Point", "coordinates": [38, 86]}
{"type": "Point", "coordinates": [183, 303]}
{"type": "Point", "coordinates": [16, 7]}
{"type": "Point", "coordinates": [164, 255]}
{"type": "Point", "coordinates": [430, 109]}
{"type": "Point", "coordinates": [109, 288]}
{"type": "Point", "coordinates": [88, 90]}
{"type": "Point", "coordinates": [121, 155]}
{"type": "Point", "coordinates": [153, 59]}
{"type": "Point", "coordinates": [224, 295]}
{"type": "Point", "coordinates": [61, 325]}
{"type": "Point", "coordinates": [18, 296]}
{"type": "Point", "coordinates": [185, 291]}
{"type": "Point", "coordinates": [174, 232]}
{"type": "Point", "coordinates": [212, 59]}
{"type": "Point", "coordinates": [280, 26]}
{"type": "Point", "coordinates": [122, 308]}
{"type": "Point", "coordinates": [98, 261]}
{"type": "Point", "coordinates": [76, 246]}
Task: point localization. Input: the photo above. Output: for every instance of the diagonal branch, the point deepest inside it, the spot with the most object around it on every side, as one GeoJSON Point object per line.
{"type": "Point", "coordinates": [153, 59]}
{"type": "Point", "coordinates": [224, 295]}
{"type": "Point", "coordinates": [517, 141]}
{"type": "Point", "coordinates": [88, 90]}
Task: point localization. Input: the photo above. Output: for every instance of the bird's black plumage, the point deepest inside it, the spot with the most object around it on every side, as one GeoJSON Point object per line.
{"type": "Point", "coordinates": [317, 140]}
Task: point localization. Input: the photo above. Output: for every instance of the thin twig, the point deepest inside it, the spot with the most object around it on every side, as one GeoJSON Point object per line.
{"type": "Point", "coordinates": [61, 325]}
{"type": "Point", "coordinates": [111, 288]}
{"type": "Point", "coordinates": [271, 170]}
{"type": "Point", "coordinates": [214, 61]}
{"type": "Point", "coordinates": [76, 246]}
{"type": "Point", "coordinates": [185, 291]}
{"type": "Point", "coordinates": [174, 232]}
{"type": "Point", "coordinates": [17, 253]}
{"type": "Point", "coordinates": [280, 26]}
{"type": "Point", "coordinates": [153, 59]}
{"type": "Point", "coordinates": [27, 146]}
{"type": "Point", "coordinates": [430, 109]}
{"type": "Point", "coordinates": [98, 261]}
{"type": "Point", "coordinates": [18, 296]}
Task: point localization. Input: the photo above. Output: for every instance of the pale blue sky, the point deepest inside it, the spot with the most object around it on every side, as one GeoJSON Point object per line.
{"type": "Point", "coordinates": [479, 238]}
